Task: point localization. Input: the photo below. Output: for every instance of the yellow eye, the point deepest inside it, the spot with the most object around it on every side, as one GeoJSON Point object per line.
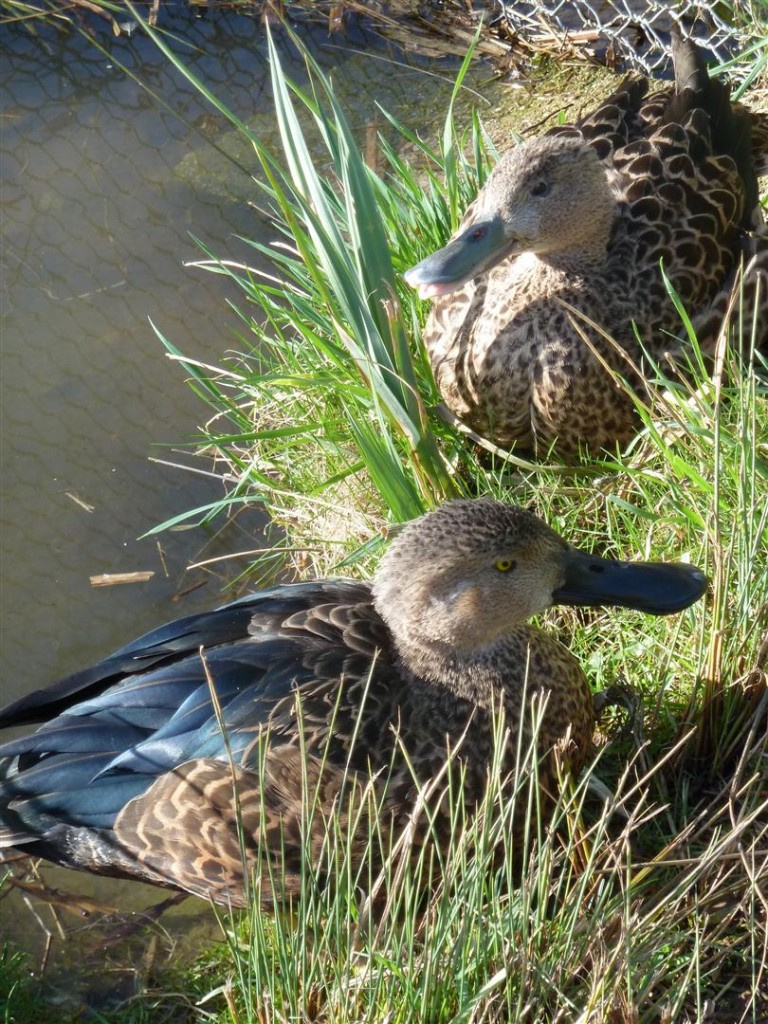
{"type": "Point", "coordinates": [504, 564]}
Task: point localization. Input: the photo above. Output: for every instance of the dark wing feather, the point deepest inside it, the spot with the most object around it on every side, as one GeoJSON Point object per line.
{"type": "Point", "coordinates": [210, 629]}
{"type": "Point", "coordinates": [256, 614]}
{"type": "Point", "coordinates": [147, 708]}
{"type": "Point", "coordinates": [730, 126]}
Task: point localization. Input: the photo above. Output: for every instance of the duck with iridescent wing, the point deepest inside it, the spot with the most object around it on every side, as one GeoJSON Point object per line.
{"type": "Point", "coordinates": [572, 229]}
{"type": "Point", "coordinates": [320, 685]}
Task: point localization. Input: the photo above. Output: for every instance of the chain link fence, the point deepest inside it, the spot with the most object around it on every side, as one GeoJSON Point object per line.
{"type": "Point", "coordinates": [631, 32]}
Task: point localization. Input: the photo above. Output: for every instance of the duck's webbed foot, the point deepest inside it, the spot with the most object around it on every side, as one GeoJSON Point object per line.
{"type": "Point", "coordinates": [621, 695]}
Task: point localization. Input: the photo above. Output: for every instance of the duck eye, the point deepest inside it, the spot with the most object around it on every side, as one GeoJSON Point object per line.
{"type": "Point", "coordinates": [540, 188]}
{"type": "Point", "coordinates": [504, 564]}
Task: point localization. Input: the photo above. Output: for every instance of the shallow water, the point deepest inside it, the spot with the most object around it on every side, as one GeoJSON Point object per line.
{"type": "Point", "coordinates": [103, 184]}
{"type": "Point", "coordinates": [96, 228]}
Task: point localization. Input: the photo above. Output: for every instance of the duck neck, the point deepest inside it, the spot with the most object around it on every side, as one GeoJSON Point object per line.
{"type": "Point", "coordinates": [474, 675]}
{"type": "Point", "coordinates": [587, 256]}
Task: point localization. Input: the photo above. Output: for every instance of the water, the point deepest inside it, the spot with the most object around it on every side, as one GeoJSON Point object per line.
{"type": "Point", "coordinates": [96, 228]}
{"type": "Point", "coordinates": [102, 186]}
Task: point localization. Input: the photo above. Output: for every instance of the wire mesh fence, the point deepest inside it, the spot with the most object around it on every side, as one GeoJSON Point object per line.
{"type": "Point", "coordinates": [633, 32]}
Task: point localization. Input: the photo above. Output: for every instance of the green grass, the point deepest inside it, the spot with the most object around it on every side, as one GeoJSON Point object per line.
{"type": "Point", "coordinates": [20, 1001]}
{"type": "Point", "coordinates": [646, 907]}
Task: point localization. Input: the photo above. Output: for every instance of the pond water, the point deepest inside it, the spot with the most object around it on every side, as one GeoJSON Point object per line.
{"type": "Point", "coordinates": [104, 182]}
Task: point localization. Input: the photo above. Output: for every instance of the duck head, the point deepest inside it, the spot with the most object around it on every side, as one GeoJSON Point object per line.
{"type": "Point", "coordinates": [550, 195]}
{"type": "Point", "coordinates": [466, 574]}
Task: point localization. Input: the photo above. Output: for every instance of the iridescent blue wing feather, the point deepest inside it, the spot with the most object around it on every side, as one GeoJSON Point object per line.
{"type": "Point", "coordinates": [147, 709]}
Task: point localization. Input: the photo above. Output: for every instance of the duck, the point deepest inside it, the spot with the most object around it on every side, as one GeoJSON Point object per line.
{"type": "Point", "coordinates": [553, 283]}
{"type": "Point", "coordinates": [322, 688]}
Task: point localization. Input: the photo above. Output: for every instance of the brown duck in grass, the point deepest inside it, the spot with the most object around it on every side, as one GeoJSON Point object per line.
{"type": "Point", "coordinates": [130, 774]}
{"type": "Point", "coordinates": [579, 221]}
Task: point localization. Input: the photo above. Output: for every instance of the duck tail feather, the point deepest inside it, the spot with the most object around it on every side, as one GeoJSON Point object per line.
{"type": "Point", "coordinates": [730, 125]}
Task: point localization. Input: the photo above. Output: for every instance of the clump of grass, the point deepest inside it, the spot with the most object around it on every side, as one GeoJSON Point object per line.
{"type": "Point", "coordinates": [592, 929]}
{"type": "Point", "coordinates": [659, 915]}
{"type": "Point", "coordinates": [329, 404]}
{"type": "Point", "coordinates": [20, 1002]}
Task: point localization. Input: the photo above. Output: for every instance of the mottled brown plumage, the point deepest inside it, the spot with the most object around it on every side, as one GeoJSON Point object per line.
{"type": "Point", "coordinates": [577, 224]}
{"type": "Point", "coordinates": [327, 690]}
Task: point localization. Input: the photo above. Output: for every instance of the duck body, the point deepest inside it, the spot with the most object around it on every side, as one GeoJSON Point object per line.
{"type": "Point", "coordinates": [570, 230]}
{"type": "Point", "coordinates": [325, 688]}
